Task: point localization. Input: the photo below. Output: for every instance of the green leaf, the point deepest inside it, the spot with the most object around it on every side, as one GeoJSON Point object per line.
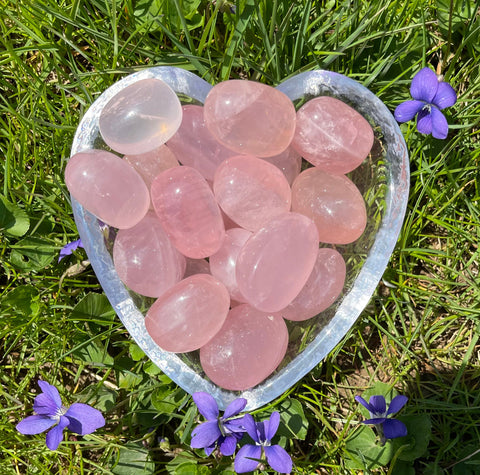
{"type": "Point", "coordinates": [32, 253]}
{"type": "Point", "coordinates": [93, 308]}
{"type": "Point", "coordinates": [363, 452]}
{"type": "Point", "coordinates": [136, 353]}
{"type": "Point", "coordinates": [105, 399]}
{"type": "Point", "coordinates": [152, 369]}
{"type": "Point", "coordinates": [183, 463]}
{"type": "Point", "coordinates": [165, 400]}
{"type": "Point", "coordinates": [403, 468]}
{"type": "Point", "coordinates": [13, 219]}
{"type": "Point", "coordinates": [419, 429]}
{"type": "Point", "coordinates": [133, 459]}
{"type": "Point", "coordinates": [293, 420]}
{"type": "Point", "coordinates": [23, 299]}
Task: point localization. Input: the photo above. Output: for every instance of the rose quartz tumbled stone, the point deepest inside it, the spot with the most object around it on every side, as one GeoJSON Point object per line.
{"type": "Point", "coordinates": [275, 263]}
{"type": "Point", "coordinates": [223, 263]}
{"type": "Point", "coordinates": [251, 191]}
{"type": "Point", "coordinates": [323, 287]}
{"type": "Point", "coordinates": [108, 187]}
{"type": "Point", "coordinates": [195, 146]}
{"type": "Point", "coordinates": [151, 164]}
{"type": "Point", "coordinates": [331, 135]}
{"type": "Point", "coordinates": [289, 162]}
{"type": "Point", "coordinates": [141, 117]}
{"type": "Point", "coordinates": [250, 117]}
{"type": "Point", "coordinates": [333, 202]}
{"type": "Point", "coordinates": [247, 349]}
{"type": "Point", "coordinates": [189, 314]}
{"type": "Point", "coordinates": [188, 211]}
{"type": "Point", "coordinates": [145, 259]}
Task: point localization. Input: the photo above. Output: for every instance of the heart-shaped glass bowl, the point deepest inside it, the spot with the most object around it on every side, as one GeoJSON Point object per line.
{"type": "Point", "coordinates": [383, 179]}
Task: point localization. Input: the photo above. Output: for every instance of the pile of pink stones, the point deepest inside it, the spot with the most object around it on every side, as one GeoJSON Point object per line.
{"type": "Point", "coordinates": [228, 241]}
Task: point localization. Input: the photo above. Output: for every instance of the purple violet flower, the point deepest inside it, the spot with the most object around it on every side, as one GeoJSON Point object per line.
{"type": "Point", "coordinates": [431, 95]}
{"type": "Point", "coordinates": [388, 428]}
{"type": "Point", "coordinates": [223, 432]}
{"type": "Point", "coordinates": [249, 456]}
{"type": "Point", "coordinates": [69, 248]}
{"type": "Point", "coordinates": [79, 418]}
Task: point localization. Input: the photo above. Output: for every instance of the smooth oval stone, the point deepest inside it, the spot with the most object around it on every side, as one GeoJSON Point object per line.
{"type": "Point", "coordinates": [195, 146]}
{"type": "Point", "coordinates": [275, 263]}
{"type": "Point", "coordinates": [247, 349]}
{"type": "Point", "coordinates": [108, 187]}
{"type": "Point", "coordinates": [331, 135]}
{"type": "Point", "coordinates": [188, 211]}
{"type": "Point", "coordinates": [223, 263]}
{"type": "Point", "coordinates": [140, 117]}
{"type": "Point", "coordinates": [251, 191]}
{"type": "Point", "coordinates": [250, 118]}
{"type": "Point", "coordinates": [145, 259]}
{"type": "Point", "coordinates": [189, 314]}
{"type": "Point", "coordinates": [323, 287]}
{"type": "Point", "coordinates": [289, 162]}
{"type": "Point", "coordinates": [151, 164]}
{"type": "Point", "coordinates": [333, 202]}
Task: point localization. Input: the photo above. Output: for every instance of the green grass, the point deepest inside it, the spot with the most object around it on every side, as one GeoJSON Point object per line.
{"type": "Point", "coordinates": [419, 332]}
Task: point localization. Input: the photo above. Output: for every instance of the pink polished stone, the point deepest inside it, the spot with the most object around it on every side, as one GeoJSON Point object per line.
{"type": "Point", "coordinates": [108, 187]}
{"type": "Point", "coordinates": [331, 135]}
{"type": "Point", "coordinates": [251, 191]}
{"type": "Point", "coordinates": [250, 117]}
{"type": "Point", "coordinates": [333, 202]}
{"type": "Point", "coordinates": [145, 259]}
{"type": "Point", "coordinates": [223, 262]}
{"type": "Point", "coordinates": [141, 117]}
{"type": "Point", "coordinates": [323, 287]}
{"type": "Point", "coordinates": [289, 162]}
{"type": "Point", "coordinates": [189, 314]}
{"type": "Point", "coordinates": [275, 263]}
{"type": "Point", "coordinates": [195, 146]}
{"type": "Point", "coordinates": [247, 349]}
{"type": "Point", "coordinates": [188, 211]}
{"type": "Point", "coordinates": [151, 164]}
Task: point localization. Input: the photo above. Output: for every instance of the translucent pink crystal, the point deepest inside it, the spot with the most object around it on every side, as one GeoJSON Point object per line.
{"type": "Point", "coordinates": [331, 135]}
{"type": "Point", "coordinates": [275, 263]}
{"type": "Point", "coordinates": [323, 287]}
{"type": "Point", "coordinates": [247, 349]}
{"type": "Point", "coordinates": [195, 146]}
{"type": "Point", "coordinates": [250, 117]}
{"type": "Point", "coordinates": [145, 259]}
{"type": "Point", "coordinates": [251, 191]}
{"type": "Point", "coordinates": [189, 314]}
{"type": "Point", "coordinates": [151, 164]}
{"type": "Point", "coordinates": [333, 202]}
{"type": "Point", "coordinates": [140, 117]}
{"type": "Point", "coordinates": [289, 162]}
{"type": "Point", "coordinates": [223, 263]}
{"type": "Point", "coordinates": [188, 211]}
{"type": "Point", "coordinates": [108, 187]}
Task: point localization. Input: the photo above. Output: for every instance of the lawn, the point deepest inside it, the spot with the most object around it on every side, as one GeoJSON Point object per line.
{"type": "Point", "coordinates": [418, 335]}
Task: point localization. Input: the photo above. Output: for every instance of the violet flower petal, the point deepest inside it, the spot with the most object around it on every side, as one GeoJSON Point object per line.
{"type": "Point", "coordinates": [375, 420]}
{"type": "Point", "coordinates": [205, 435]}
{"type": "Point", "coordinates": [55, 436]}
{"type": "Point", "coordinates": [236, 426]}
{"type": "Point", "coordinates": [424, 85]}
{"type": "Point", "coordinates": [278, 458]}
{"type": "Point", "coordinates": [408, 110]}
{"type": "Point", "coordinates": [439, 124]}
{"type": "Point", "coordinates": [35, 424]}
{"type": "Point", "coordinates": [44, 405]}
{"type": "Point", "coordinates": [378, 403]}
{"type": "Point", "coordinates": [271, 426]}
{"type": "Point", "coordinates": [207, 406]}
{"type": "Point", "coordinates": [393, 428]}
{"type": "Point", "coordinates": [445, 96]}
{"type": "Point", "coordinates": [235, 407]}
{"type": "Point", "coordinates": [424, 121]}
{"type": "Point", "coordinates": [51, 391]}
{"type": "Point", "coordinates": [228, 446]}
{"type": "Point", "coordinates": [364, 403]}
{"type": "Point", "coordinates": [84, 419]}
{"type": "Point", "coordinates": [69, 248]}
{"type": "Point", "coordinates": [397, 403]}
{"type": "Point", "coordinates": [251, 427]}
{"type": "Point", "coordinates": [243, 460]}
{"type": "Point", "coordinates": [209, 449]}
